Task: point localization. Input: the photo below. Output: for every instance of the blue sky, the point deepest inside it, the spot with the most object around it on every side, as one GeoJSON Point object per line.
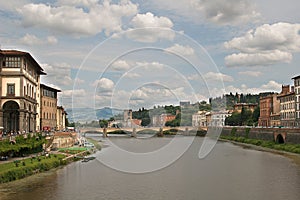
{"type": "Point", "coordinates": [131, 54]}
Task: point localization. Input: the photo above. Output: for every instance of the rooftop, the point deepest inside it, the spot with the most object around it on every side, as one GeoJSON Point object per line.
{"type": "Point", "coordinates": [22, 53]}
{"type": "Point", "coordinates": [296, 77]}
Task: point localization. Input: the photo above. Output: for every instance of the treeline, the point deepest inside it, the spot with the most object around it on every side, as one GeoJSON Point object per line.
{"type": "Point", "coordinates": [243, 118]}
{"type": "Point", "coordinates": [229, 100]}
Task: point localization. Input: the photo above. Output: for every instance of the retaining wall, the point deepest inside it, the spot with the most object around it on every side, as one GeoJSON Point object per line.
{"type": "Point", "coordinates": [290, 135]}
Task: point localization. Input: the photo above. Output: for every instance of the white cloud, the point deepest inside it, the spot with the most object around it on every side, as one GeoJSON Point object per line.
{"type": "Point", "coordinates": [267, 44]}
{"type": "Point", "coordinates": [87, 3]}
{"type": "Point", "coordinates": [153, 66]}
{"type": "Point", "coordinates": [32, 40]}
{"type": "Point", "coordinates": [132, 75]}
{"type": "Point", "coordinates": [120, 65]}
{"type": "Point", "coordinates": [181, 50]}
{"type": "Point", "coordinates": [12, 5]}
{"type": "Point", "coordinates": [51, 40]}
{"type": "Point", "coordinates": [59, 74]}
{"type": "Point", "coordinates": [77, 21]}
{"type": "Point", "coordinates": [212, 76]}
{"type": "Point", "coordinates": [258, 59]}
{"type": "Point", "coordinates": [150, 28]}
{"type": "Point", "coordinates": [104, 84]}
{"type": "Point", "coordinates": [70, 93]}
{"type": "Point", "coordinates": [230, 12]}
{"type": "Point", "coordinates": [227, 13]}
{"type": "Point", "coordinates": [251, 73]}
{"type": "Point", "coordinates": [271, 86]}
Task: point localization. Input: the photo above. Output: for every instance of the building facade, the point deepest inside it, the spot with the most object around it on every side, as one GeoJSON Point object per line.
{"type": "Point", "coordinates": [269, 111]}
{"type": "Point", "coordinates": [19, 91]}
{"type": "Point", "coordinates": [287, 106]}
{"type": "Point", "coordinates": [297, 100]}
{"type": "Point", "coordinates": [160, 120]}
{"type": "Point", "coordinates": [48, 104]}
{"type": "Point", "coordinates": [61, 115]}
{"type": "Point", "coordinates": [199, 119]}
{"type": "Point", "coordinates": [249, 106]}
{"type": "Point", "coordinates": [218, 118]}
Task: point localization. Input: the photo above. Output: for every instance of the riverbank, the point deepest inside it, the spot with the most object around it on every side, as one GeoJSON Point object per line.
{"type": "Point", "coordinates": [19, 169]}
{"type": "Point", "coordinates": [256, 145]}
{"type": "Point", "coordinates": [292, 148]}
{"type": "Point", "coordinates": [24, 167]}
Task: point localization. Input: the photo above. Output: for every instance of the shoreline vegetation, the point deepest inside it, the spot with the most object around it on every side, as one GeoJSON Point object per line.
{"type": "Point", "coordinates": [290, 148]}
{"type": "Point", "coordinates": [29, 158]}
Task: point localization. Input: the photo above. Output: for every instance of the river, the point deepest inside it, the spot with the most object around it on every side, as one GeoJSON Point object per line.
{"type": "Point", "coordinates": [229, 172]}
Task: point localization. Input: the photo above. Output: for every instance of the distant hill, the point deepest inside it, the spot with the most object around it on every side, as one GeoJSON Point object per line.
{"type": "Point", "coordinates": [90, 114]}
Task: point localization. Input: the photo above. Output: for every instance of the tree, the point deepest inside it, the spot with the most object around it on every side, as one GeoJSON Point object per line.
{"type": "Point", "coordinates": [145, 121]}
{"type": "Point", "coordinates": [103, 123]}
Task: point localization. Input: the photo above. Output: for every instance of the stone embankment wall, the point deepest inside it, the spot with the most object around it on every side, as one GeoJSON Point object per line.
{"type": "Point", "coordinates": [289, 135]}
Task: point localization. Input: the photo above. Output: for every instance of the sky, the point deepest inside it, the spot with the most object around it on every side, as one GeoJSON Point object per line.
{"type": "Point", "coordinates": [133, 54]}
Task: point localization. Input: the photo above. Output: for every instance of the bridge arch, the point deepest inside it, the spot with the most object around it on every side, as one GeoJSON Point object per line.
{"type": "Point", "coordinates": [279, 139]}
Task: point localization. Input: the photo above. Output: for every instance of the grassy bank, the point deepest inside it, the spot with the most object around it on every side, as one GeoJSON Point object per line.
{"type": "Point", "coordinates": [22, 168]}
{"type": "Point", "coordinates": [293, 148]}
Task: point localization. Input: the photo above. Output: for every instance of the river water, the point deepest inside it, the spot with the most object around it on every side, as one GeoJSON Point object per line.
{"type": "Point", "coordinates": [229, 172]}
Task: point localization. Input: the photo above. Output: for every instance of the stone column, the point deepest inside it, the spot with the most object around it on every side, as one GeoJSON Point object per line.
{"type": "Point", "coordinates": [1, 119]}
{"type": "Point", "coordinates": [22, 123]}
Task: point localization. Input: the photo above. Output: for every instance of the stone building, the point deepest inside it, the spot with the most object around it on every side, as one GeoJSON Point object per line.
{"type": "Point", "coordinates": [160, 120]}
{"type": "Point", "coordinates": [199, 119]}
{"type": "Point", "coordinates": [61, 115]}
{"type": "Point", "coordinates": [48, 106]}
{"type": "Point", "coordinates": [218, 118]}
{"type": "Point", "coordinates": [19, 90]}
{"type": "Point", "coordinates": [297, 100]}
{"type": "Point", "coordinates": [269, 111]}
{"type": "Point", "coordinates": [249, 106]}
{"type": "Point", "coordinates": [287, 106]}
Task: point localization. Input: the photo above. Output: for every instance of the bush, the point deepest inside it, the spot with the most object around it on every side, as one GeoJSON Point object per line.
{"type": "Point", "coordinates": [9, 172]}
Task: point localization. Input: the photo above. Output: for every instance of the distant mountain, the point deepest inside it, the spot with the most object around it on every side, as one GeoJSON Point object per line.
{"type": "Point", "coordinates": [90, 114]}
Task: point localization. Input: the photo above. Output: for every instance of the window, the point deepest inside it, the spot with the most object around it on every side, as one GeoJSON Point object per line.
{"type": "Point", "coordinates": [14, 62]}
{"type": "Point", "coordinates": [11, 89]}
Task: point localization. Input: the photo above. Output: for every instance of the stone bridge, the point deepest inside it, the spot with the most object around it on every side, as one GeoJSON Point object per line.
{"type": "Point", "coordinates": [134, 131]}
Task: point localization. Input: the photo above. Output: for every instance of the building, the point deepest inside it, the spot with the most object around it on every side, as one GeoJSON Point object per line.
{"type": "Point", "coordinates": [160, 120]}
{"type": "Point", "coordinates": [269, 111]}
{"type": "Point", "coordinates": [218, 118]}
{"type": "Point", "coordinates": [19, 91]}
{"type": "Point", "coordinates": [287, 106]}
{"type": "Point", "coordinates": [184, 104]}
{"type": "Point", "coordinates": [199, 119]}
{"type": "Point", "coordinates": [48, 106]}
{"type": "Point", "coordinates": [249, 106]}
{"type": "Point", "coordinates": [297, 100]}
{"type": "Point", "coordinates": [61, 115]}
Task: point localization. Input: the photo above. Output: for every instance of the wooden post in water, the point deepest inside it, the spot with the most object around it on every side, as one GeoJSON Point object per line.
{"type": "Point", "coordinates": [104, 132]}
{"type": "Point", "coordinates": [160, 132]}
{"type": "Point", "coordinates": [186, 131]}
{"type": "Point", "coordinates": [133, 134]}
